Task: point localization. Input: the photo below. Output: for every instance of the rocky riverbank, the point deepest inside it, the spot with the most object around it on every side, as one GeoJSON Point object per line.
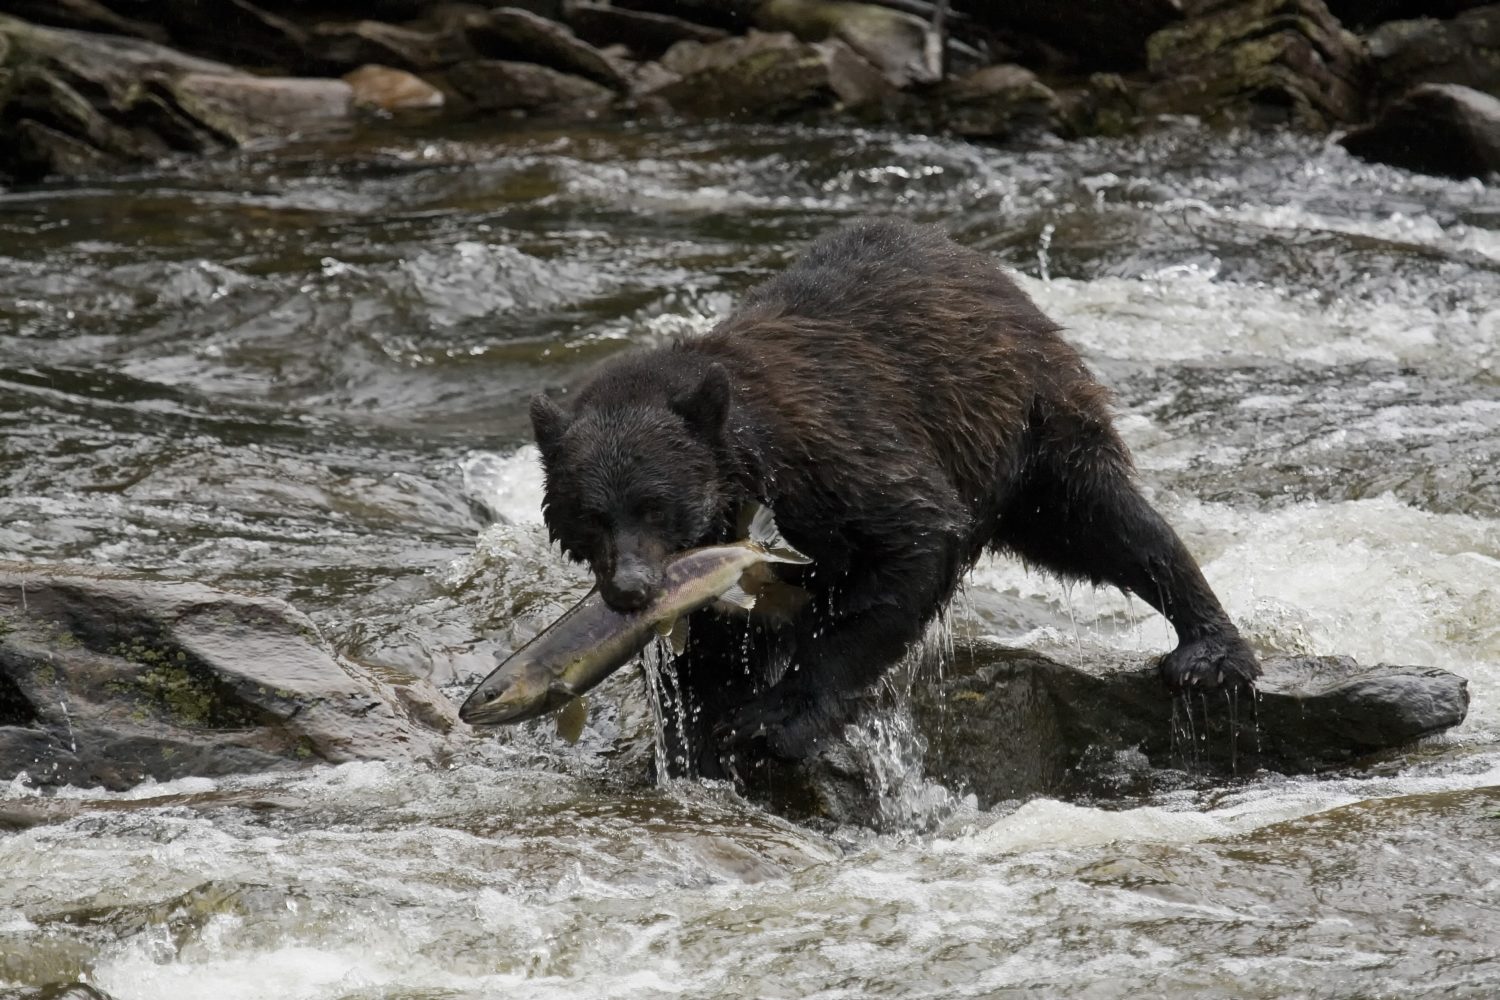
{"type": "Point", "coordinates": [91, 85]}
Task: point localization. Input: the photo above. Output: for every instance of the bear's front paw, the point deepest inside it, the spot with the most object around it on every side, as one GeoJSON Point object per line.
{"type": "Point", "coordinates": [783, 728]}
{"type": "Point", "coordinates": [1218, 660]}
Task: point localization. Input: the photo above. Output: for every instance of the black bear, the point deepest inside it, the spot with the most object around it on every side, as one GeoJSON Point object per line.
{"type": "Point", "coordinates": [901, 405]}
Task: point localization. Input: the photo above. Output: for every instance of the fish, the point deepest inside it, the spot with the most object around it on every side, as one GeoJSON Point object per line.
{"type": "Point", "coordinates": [591, 640]}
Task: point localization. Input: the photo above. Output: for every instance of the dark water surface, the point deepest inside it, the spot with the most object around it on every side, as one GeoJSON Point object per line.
{"type": "Point", "coordinates": [304, 373]}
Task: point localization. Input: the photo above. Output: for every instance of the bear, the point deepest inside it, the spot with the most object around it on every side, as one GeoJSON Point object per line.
{"type": "Point", "coordinates": [901, 406]}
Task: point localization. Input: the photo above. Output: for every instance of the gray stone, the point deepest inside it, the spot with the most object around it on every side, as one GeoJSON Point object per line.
{"type": "Point", "coordinates": [74, 102]}
{"type": "Point", "coordinates": [761, 76]}
{"type": "Point", "coordinates": [500, 85]}
{"type": "Point", "coordinates": [511, 34]}
{"type": "Point", "coordinates": [1434, 129]}
{"type": "Point", "coordinates": [997, 102]}
{"type": "Point", "coordinates": [893, 42]}
{"type": "Point", "coordinates": [107, 680]}
{"type": "Point", "coordinates": [245, 107]}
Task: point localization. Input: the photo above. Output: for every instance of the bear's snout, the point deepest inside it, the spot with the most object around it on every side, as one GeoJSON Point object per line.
{"type": "Point", "coordinates": [634, 579]}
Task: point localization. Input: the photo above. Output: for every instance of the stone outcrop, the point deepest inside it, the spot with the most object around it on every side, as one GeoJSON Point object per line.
{"type": "Point", "coordinates": [1011, 724]}
{"type": "Point", "coordinates": [109, 680]}
{"type": "Point", "coordinates": [1264, 62]}
{"type": "Point", "coordinates": [74, 102]}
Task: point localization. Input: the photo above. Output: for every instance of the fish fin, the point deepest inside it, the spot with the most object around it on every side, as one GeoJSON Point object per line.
{"type": "Point", "coordinates": [571, 719]}
{"type": "Point", "coordinates": [735, 599]}
{"type": "Point", "coordinates": [763, 532]}
{"type": "Point", "coordinates": [678, 636]}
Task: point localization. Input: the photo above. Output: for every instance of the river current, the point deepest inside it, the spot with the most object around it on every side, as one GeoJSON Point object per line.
{"type": "Point", "coordinates": [303, 372]}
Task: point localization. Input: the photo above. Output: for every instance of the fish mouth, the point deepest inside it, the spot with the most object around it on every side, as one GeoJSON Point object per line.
{"type": "Point", "coordinates": [517, 703]}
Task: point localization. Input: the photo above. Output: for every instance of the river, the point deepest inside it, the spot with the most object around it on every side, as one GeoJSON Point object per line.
{"type": "Point", "coordinates": [303, 372]}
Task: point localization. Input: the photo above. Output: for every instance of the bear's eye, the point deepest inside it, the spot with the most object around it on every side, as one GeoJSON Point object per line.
{"type": "Point", "coordinates": [650, 512]}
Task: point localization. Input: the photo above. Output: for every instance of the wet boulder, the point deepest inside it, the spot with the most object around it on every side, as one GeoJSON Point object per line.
{"type": "Point", "coordinates": [1434, 129]}
{"type": "Point", "coordinates": [896, 43]}
{"type": "Point", "coordinates": [1464, 51]}
{"type": "Point", "coordinates": [1258, 62]}
{"type": "Point", "coordinates": [993, 103]}
{"type": "Point", "coordinates": [762, 76]}
{"type": "Point", "coordinates": [107, 680]}
{"type": "Point", "coordinates": [1012, 724]}
{"type": "Point", "coordinates": [501, 85]}
{"type": "Point", "coordinates": [515, 35]}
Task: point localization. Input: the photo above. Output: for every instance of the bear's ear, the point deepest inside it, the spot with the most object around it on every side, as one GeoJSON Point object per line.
{"type": "Point", "coordinates": [705, 407]}
{"type": "Point", "coordinates": [548, 423]}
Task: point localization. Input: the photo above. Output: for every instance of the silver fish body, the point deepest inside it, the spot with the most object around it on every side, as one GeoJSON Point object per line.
{"type": "Point", "coordinates": [591, 640]}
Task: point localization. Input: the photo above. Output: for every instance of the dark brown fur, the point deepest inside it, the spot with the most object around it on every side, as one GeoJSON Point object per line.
{"type": "Point", "coordinates": [901, 405]}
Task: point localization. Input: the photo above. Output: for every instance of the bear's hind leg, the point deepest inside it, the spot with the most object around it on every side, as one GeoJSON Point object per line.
{"type": "Point", "coordinates": [1079, 513]}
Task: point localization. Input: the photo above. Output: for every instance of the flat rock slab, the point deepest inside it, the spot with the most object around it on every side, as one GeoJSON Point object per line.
{"type": "Point", "coordinates": [107, 680]}
{"type": "Point", "coordinates": [1011, 724]}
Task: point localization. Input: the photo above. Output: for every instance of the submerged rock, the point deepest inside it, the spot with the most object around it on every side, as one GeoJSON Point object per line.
{"type": "Point", "coordinates": [1012, 724]}
{"type": "Point", "coordinates": [107, 680]}
{"type": "Point", "coordinates": [1263, 62]}
{"type": "Point", "coordinates": [1435, 129]}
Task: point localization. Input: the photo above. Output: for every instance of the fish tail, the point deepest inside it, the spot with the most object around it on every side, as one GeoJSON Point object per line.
{"type": "Point", "coordinates": [764, 533]}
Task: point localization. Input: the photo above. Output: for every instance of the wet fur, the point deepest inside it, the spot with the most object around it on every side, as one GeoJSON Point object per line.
{"type": "Point", "coordinates": [902, 406]}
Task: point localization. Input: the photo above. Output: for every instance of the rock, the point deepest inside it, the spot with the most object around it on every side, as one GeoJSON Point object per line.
{"type": "Point", "coordinates": [498, 85]}
{"type": "Point", "coordinates": [1091, 34]}
{"type": "Point", "coordinates": [84, 15]}
{"type": "Point", "coordinates": [343, 46]}
{"type": "Point", "coordinates": [1105, 105]}
{"type": "Point", "coordinates": [894, 42]}
{"type": "Point", "coordinates": [1436, 128]}
{"type": "Point", "coordinates": [644, 34]}
{"type": "Point", "coordinates": [1010, 724]}
{"type": "Point", "coordinates": [763, 76]}
{"type": "Point", "coordinates": [56, 991]}
{"type": "Point", "coordinates": [995, 103]}
{"type": "Point", "coordinates": [508, 33]}
{"type": "Point", "coordinates": [391, 89]}
{"type": "Point", "coordinates": [1263, 62]}
{"type": "Point", "coordinates": [246, 107]}
{"type": "Point", "coordinates": [107, 680]}
{"type": "Point", "coordinates": [1368, 13]}
{"type": "Point", "coordinates": [1465, 51]}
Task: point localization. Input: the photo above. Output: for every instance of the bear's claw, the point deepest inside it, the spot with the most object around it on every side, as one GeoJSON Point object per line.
{"type": "Point", "coordinates": [1221, 659]}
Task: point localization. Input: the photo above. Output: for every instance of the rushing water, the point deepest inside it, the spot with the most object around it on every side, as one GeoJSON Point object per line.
{"type": "Point", "coordinates": [303, 373]}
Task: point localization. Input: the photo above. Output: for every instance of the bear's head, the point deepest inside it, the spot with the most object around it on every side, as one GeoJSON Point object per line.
{"type": "Point", "coordinates": [633, 478]}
